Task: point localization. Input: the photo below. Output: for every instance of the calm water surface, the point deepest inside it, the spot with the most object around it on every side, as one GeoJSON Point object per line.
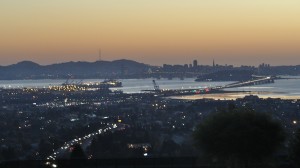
{"type": "Point", "coordinates": [284, 87]}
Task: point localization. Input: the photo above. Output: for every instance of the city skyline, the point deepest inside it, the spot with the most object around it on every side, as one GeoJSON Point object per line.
{"type": "Point", "coordinates": [191, 63]}
{"type": "Point", "coordinates": [152, 32]}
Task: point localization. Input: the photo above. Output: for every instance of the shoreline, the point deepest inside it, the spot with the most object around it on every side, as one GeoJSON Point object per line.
{"type": "Point", "coordinates": [237, 95]}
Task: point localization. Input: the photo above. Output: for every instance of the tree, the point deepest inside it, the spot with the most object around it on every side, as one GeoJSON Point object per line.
{"type": "Point", "coordinates": [295, 149]}
{"type": "Point", "coordinates": [45, 148]}
{"type": "Point", "coordinates": [77, 152]}
{"type": "Point", "coordinates": [239, 137]}
{"type": "Point", "coordinates": [77, 157]}
{"type": "Point", "coordinates": [9, 153]}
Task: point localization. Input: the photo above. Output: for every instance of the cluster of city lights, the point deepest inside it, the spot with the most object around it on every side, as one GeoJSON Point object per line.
{"type": "Point", "coordinates": [68, 88]}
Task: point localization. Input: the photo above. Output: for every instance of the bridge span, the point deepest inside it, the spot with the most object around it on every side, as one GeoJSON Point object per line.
{"type": "Point", "coordinates": [259, 81]}
{"type": "Point", "coordinates": [208, 90]}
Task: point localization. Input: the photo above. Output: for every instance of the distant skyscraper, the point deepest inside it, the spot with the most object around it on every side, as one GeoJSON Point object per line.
{"type": "Point", "coordinates": [195, 63]}
{"type": "Point", "coordinates": [214, 63]}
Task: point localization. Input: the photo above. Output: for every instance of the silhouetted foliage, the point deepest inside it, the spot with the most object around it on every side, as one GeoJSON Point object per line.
{"type": "Point", "coordinates": [77, 152]}
{"type": "Point", "coordinates": [169, 148]}
{"type": "Point", "coordinates": [295, 149]}
{"type": "Point", "coordinates": [45, 148]}
{"type": "Point", "coordinates": [239, 137]}
{"type": "Point", "coordinates": [77, 156]}
{"type": "Point", "coordinates": [8, 153]}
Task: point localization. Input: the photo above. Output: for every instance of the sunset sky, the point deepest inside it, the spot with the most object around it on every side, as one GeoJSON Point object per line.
{"type": "Point", "coordinates": [151, 31]}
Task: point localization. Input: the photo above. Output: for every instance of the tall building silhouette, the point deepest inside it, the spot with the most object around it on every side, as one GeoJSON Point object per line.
{"type": "Point", "coordinates": [195, 63]}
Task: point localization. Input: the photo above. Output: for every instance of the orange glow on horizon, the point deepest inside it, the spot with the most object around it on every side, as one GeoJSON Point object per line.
{"type": "Point", "coordinates": [153, 32]}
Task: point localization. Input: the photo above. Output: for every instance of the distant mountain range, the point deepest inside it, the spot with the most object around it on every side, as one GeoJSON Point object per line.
{"type": "Point", "coordinates": [101, 69]}
{"type": "Point", "coordinates": [131, 69]}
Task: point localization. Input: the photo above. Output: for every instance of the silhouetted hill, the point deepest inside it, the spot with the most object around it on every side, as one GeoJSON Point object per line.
{"type": "Point", "coordinates": [31, 70]}
{"type": "Point", "coordinates": [16, 71]}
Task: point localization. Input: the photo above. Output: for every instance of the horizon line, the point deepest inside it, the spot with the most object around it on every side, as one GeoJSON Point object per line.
{"type": "Point", "coordinates": [86, 61]}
